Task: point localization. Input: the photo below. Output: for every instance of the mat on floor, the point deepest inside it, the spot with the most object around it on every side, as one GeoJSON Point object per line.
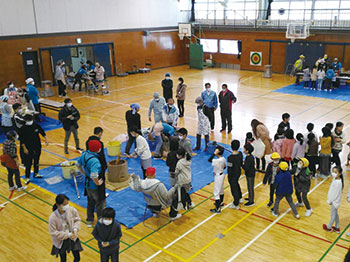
{"type": "Point", "coordinates": [342, 93]}
{"type": "Point", "coordinates": [129, 205]}
{"type": "Point", "coordinates": [47, 123]}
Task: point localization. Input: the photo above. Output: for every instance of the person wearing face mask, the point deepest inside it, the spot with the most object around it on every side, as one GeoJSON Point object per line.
{"type": "Point", "coordinates": [24, 99]}
{"type": "Point", "coordinates": [100, 75]}
{"type": "Point", "coordinates": [11, 92]}
{"type": "Point", "coordinates": [156, 104]}
{"type": "Point", "coordinates": [64, 227]}
{"type": "Point", "coordinates": [302, 176]}
{"type": "Point", "coordinates": [133, 119]}
{"type": "Point", "coordinates": [211, 101]}
{"type": "Point", "coordinates": [108, 232]}
{"type": "Point", "coordinates": [30, 149]}
{"type": "Point", "coordinates": [184, 141]}
{"type": "Point", "coordinates": [180, 96]}
{"type": "Point", "coordinates": [89, 165]}
{"type": "Point", "coordinates": [226, 99]}
{"type": "Point", "coordinates": [270, 174]}
{"type": "Point", "coordinates": [33, 94]}
{"type": "Point", "coordinates": [167, 85]}
{"type": "Point", "coordinates": [10, 160]}
{"type": "Point", "coordinates": [203, 126]}
{"type": "Point", "coordinates": [170, 113]}
{"type": "Point", "coordinates": [60, 78]}
{"type": "Point", "coordinates": [18, 116]}
{"type": "Point", "coordinates": [69, 116]}
{"type": "Point", "coordinates": [6, 111]}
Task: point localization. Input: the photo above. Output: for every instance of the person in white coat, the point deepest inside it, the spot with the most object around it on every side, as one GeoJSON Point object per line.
{"type": "Point", "coordinates": [334, 199]}
{"type": "Point", "coordinates": [156, 104]}
{"type": "Point", "coordinates": [170, 113]}
{"type": "Point", "coordinates": [203, 126]}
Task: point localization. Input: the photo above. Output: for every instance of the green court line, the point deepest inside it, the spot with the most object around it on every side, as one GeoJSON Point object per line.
{"type": "Point", "coordinates": [43, 220]}
{"type": "Point", "coordinates": [347, 240]}
{"type": "Point", "coordinates": [207, 191]}
{"type": "Point", "coordinates": [334, 242]}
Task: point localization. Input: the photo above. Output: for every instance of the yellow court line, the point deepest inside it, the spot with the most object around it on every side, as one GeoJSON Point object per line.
{"type": "Point", "coordinates": [226, 231]}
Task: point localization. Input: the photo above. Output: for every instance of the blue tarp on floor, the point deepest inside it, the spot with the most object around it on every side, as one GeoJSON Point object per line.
{"type": "Point", "coordinates": [130, 205]}
{"type": "Point", "coordinates": [342, 93]}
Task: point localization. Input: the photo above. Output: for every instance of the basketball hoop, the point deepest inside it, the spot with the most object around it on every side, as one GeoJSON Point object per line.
{"type": "Point", "coordinates": [297, 31]}
{"type": "Point", "coordinates": [181, 36]}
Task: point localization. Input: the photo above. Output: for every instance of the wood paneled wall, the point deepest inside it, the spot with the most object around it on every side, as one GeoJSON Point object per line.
{"type": "Point", "coordinates": [131, 48]}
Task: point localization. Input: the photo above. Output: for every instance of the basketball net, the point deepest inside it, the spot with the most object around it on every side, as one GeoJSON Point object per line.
{"type": "Point", "coordinates": [181, 36]}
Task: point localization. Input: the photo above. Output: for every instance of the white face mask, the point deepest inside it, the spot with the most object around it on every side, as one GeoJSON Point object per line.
{"type": "Point", "coordinates": [107, 222]}
{"type": "Point", "coordinates": [171, 106]}
{"type": "Point", "coordinates": [208, 90]}
{"type": "Point", "coordinates": [69, 104]}
{"type": "Point", "coordinates": [16, 137]}
{"type": "Point", "coordinates": [65, 208]}
{"type": "Point", "coordinates": [334, 175]}
{"type": "Point", "coordinates": [33, 83]}
{"type": "Point", "coordinates": [276, 162]}
{"type": "Point", "coordinates": [300, 165]}
{"type": "Point", "coordinates": [167, 77]}
{"type": "Point", "coordinates": [181, 137]}
{"type": "Point", "coordinates": [157, 99]}
{"type": "Point", "coordinates": [11, 86]}
{"type": "Point", "coordinates": [29, 123]}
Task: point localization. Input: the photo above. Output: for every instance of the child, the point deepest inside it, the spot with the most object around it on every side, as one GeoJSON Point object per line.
{"type": "Point", "coordinates": [278, 141]}
{"type": "Point", "coordinates": [313, 78]}
{"type": "Point", "coordinates": [302, 184]}
{"type": "Point", "coordinates": [339, 140]}
{"type": "Point", "coordinates": [171, 160]}
{"type": "Point", "coordinates": [234, 166]}
{"type": "Point", "coordinates": [320, 76]}
{"type": "Point", "coordinates": [271, 172]}
{"type": "Point", "coordinates": [284, 188]}
{"type": "Point", "coordinates": [10, 159]}
{"type": "Point", "coordinates": [334, 199]}
{"type": "Point", "coordinates": [299, 147]}
{"type": "Point", "coordinates": [249, 138]}
{"type": "Point", "coordinates": [310, 129]}
{"type": "Point", "coordinates": [328, 80]}
{"type": "Point", "coordinates": [108, 233]}
{"type": "Point", "coordinates": [306, 76]}
{"type": "Point", "coordinates": [325, 152]}
{"type": "Point", "coordinates": [249, 170]}
{"type": "Point", "coordinates": [185, 142]}
{"type": "Point", "coordinates": [312, 153]}
{"type": "Point", "coordinates": [288, 145]}
{"type": "Point", "coordinates": [284, 125]}
{"type": "Point", "coordinates": [348, 161]}
{"type": "Point", "coordinates": [219, 165]}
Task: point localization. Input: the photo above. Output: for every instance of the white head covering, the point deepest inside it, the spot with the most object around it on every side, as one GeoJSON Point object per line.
{"type": "Point", "coordinates": [29, 80]}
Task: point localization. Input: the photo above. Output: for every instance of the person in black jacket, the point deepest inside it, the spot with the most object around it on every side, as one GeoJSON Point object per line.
{"type": "Point", "coordinates": [108, 233]}
{"type": "Point", "coordinates": [234, 165]}
{"type": "Point", "coordinates": [171, 159]}
{"type": "Point", "coordinates": [69, 116]}
{"type": "Point", "coordinates": [270, 174]}
{"type": "Point", "coordinates": [249, 169]}
{"type": "Point", "coordinates": [167, 85]}
{"type": "Point", "coordinates": [226, 99]}
{"type": "Point", "coordinates": [31, 146]}
{"type": "Point", "coordinates": [133, 120]}
{"type": "Point", "coordinates": [101, 190]}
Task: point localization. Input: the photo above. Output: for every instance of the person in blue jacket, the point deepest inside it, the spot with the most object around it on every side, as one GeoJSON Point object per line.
{"type": "Point", "coordinates": [33, 94]}
{"type": "Point", "coordinates": [329, 78]}
{"type": "Point", "coordinates": [211, 101]}
{"type": "Point", "coordinates": [284, 188]}
{"type": "Point", "coordinates": [78, 77]}
{"type": "Point", "coordinates": [156, 104]}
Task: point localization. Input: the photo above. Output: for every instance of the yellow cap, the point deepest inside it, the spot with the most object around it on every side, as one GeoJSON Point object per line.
{"type": "Point", "coordinates": [302, 56]}
{"type": "Point", "coordinates": [284, 166]}
{"type": "Point", "coordinates": [305, 161]}
{"type": "Point", "coordinates": [325, 56]}
{"type": "Point", "coordinates": [275, 155]}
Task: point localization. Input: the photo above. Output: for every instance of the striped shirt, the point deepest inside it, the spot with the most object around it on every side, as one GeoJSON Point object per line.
{"type": "Point", "coordinates": [10, 148]}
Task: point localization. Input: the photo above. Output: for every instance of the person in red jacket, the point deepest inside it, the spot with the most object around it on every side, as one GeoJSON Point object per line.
{"type": "Point", "coordinates": [226, 99]}
{"type": "Point", "coordinates": [287, 146]}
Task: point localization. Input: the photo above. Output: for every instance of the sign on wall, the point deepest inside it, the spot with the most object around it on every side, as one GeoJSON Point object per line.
{"type": "Point", "coordinates": [255, 58]}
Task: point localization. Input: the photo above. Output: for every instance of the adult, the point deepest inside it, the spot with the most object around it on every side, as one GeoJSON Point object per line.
{"type": "Point", "coordinates": [89, 165]}
{"type": "Point", "coordinates": [100, 74]}
{"type": "Point", "coordinates": [11, 93]}
{"type": "Point", "coordinates": [133, 119]}
{"type": "Point", "coordinates": [6, 118]}
{"type": "Point", "coordinates": [69, 116]}
{"type": "Point", "coordinates": [60, 78]}
{"type": "Point", "coordinates": [211, 101]}
{"type": "Point", "coordinates": [180, 96]}
{"type": "Point", "coordinates": [64, 227]}
{"type": "Point", "coordinates": [170, 113]}
{"type": "Point", "coordinates": [18, 117]}
{"type": "Point", "coordinates": [157, 132]}
{"type": "Point", "coordinates": [298, 67]}
{"type": "Point", "coordinates": [101, 189]}
{"type": "Point", "coordinates": [31, 146]}
{"type": "Point", "coordinates": [24, 99]}
{"type": "Point", "coordinates": [167, 85]}
{"type": "Point", "coordinates": [226, 99]}
{"type": "Point", "coordinates": [337, 70]}
{"type": "Point", "coordinates": [90, 67]}
{"type": "Point", "coordinates": [33, 94]}
{"type": "Point", "coordinates": [260, 131]}
{"type": "Point", "coordinates": [184, 141]}
{"type": "Point", "coordinates": [156, 104]}
{"type": "Point", "coordinates": [203, 126]}
{"type": "Point", "coordinates": [78, 76]}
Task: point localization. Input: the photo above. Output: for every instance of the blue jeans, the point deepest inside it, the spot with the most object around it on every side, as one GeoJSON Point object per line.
{"type": "Point", "coordinates": [319, 83]}
{"type": "Point", "coordinates": [159, 141]}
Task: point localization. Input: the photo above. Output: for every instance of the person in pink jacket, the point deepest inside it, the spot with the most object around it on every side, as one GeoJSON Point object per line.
{"type": "Point", "coordinates": [260, 131]}
{"type": "Point", "coordinates": [64, 226]}
{"type": "Point", "coordinates": [278, 141]}
{"type": "Point", "coordinates": [288, 145]}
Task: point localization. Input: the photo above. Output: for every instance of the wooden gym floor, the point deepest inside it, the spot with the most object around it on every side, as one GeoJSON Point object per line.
{"type": "Point", "coordinates": [249, 234]}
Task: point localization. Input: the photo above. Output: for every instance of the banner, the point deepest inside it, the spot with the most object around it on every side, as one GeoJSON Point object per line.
{"type": "Point", "coordinates": [255, 58]}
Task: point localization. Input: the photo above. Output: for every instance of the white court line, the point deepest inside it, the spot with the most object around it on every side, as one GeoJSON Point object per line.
{"type": "Point", "coordinates": [13, 199]}
{"type": "Point", "coordinates": [192, 229]}
{"type": "Point", "coordinates": [248, 78]}
{"type": "Point", "coordinates": [268, 227]}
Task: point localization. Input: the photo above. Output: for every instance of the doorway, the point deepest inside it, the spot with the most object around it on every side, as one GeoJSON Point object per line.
{"type": "Point", "coordinates": [31, 66]}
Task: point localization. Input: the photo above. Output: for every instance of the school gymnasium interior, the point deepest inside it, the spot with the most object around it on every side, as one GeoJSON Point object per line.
{"type": "Point", "coordinates": [250, 45]}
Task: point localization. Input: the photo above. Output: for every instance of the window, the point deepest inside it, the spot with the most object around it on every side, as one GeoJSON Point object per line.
{"type": "Point", "coordinates": [209, 45]}
{"type": "Point", "coordinates": [229, 47]}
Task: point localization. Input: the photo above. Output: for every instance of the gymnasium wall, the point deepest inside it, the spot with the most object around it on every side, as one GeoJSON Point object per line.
{"type": "Point", "coordinates": [278, 50]}
{"type": "Point", "coordinates": [25, 17]}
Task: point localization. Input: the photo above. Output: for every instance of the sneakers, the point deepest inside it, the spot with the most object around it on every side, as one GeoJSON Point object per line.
{"type": "Point", "coordinates": [107, 195]}
{"type": "Point", "coordinates": [247, 199]}
{"type": "Point", "coordinates": [216, 211]}
{"type": "Point", "coordinates": [37, 176]}
{"type": "Point", "coordinates": [192, 205]}
{"type": "Point", "coordinates": [324, 226]}
{"type": "Point", "coordinates": [241, 201]}
{"type": "Point", "coordinates": [221, 205]}
{"type": "Point", "coordinates": [26, 181]}
{"type": "Point", "coordinates": [269, 204]}
{"type": "Point", "coordinates": [13, 188]}
{"type": "Point", "coordinates": [297, 204]}
{"type": "Point", "coordinates": [66, 152]}
{"type": "Point", "coordinates": [274, 214]}
{"type": "Point", "coordinates": [337, 230]}
{"type": "Point", "coordinates": [177, 217]}
{"type": "Point", "coordinates": [308, 212]}
{"type": "Point", "coordinates": [297, 216]}
{"type": "Point", "coordinates": [233, 206]}
{"type": "Point", "coordinates": [21, 188]}
{"type": "Point", "coordinates": [89, 224]}
{"type": "Point", "coordinates": [249, 204]}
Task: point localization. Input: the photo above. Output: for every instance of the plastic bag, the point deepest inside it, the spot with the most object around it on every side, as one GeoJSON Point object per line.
{"type": "Point", "coordinates": [259, 148]}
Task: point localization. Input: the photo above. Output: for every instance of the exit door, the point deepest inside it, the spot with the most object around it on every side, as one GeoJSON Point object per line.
{"type": "Point", "coordinates": [31, 66]}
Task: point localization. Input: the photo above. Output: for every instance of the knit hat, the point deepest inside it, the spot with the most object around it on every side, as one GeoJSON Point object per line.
{"type": "Point", "coordinates": [134, 107]}
{"type": "Point", "coordinates": [167, 74]}
{"type": "Point", "coordinates": [198, 100]}
{"type": "Point", "coordinates": [156, 95]}
{"type": "Point", "coordinates": [4, 98]}
{"type": "Point", "coordinates": [284, 166]}
{"type": "Point", "coordinates": [275, 155]}
{"type": "Point", "coordinates": [29, 80]}
{"type": "Point", "coordinates": [94, 146]}
{"type": "Point", "coordinates": [305, 161]}
{"type": "Point", "coordinates": [150, 171]}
